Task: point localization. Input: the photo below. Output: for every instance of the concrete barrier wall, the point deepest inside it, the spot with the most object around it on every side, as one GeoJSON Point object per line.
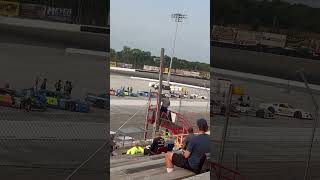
{"type": "Point", "coordinates": [265, 64]}
{"type": "Point", "coordinates": [61, 38]}
{"type": "Point", "coordinates": [178, 79]}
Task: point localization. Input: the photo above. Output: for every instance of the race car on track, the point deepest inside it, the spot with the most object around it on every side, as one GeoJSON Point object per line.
{"type": "Point", "coordinates": [165, 86]}
{"type": "Point", "coordinates": [146, 94]}
{"type": "Point", "coordinates": [99, 101]}
{"type": "Point", "coordinates": [255, 112]}
{"type": "Point", "coordinates": [60, 101]}
{"type": "Point", "coordinates": [35, 102]}
{"type": "Point", "coordinates": [286, 109]}
{"type": "Point", "coordinates": [112, 92]}
{"type": "Point", "coordinates": [9, 98]}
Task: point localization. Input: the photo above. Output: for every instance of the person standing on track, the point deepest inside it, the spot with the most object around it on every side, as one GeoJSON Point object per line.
{"type": "Point", "coordinates": [65, 88]}
{"type": "Point", "coordinates": [58, 86]}
{"type": "Point", "coordinates": [44, 84]}
{"type": "Point", "coordinates": [27, 101]}
{"type": "Point", "coordinates": [36, 83]}
{"type": "Point", "coordinates": [7, 85]}
{"type": "Point", "coordinates": [70, 88]}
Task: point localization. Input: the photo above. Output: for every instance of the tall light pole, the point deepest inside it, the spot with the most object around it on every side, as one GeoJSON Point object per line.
{"type": "Point", "coordinates": [178, 18]}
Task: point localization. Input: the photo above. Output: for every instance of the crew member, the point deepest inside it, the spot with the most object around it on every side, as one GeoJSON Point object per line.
{"type": "Point", "coordinates": [36, 83]}
{"type": "Point", "coordinates": [7, 86]}
{"type": "Point", "coordinates": [28, 100]}
{"type": "Point", "coordinates": [44, 84]}
{"type": "Point", "coordinates": [70, 88]}
{"type": "Point", "coordinates": [65, 88]}
{"type": "Point", "coordinates": [248, 101]}
{"type": "Point", "coordinates": [58, 86]}
{"type": "Point", "coordinates": [241, 101]}
{"type": "Point", "coordinates": [165, 103]}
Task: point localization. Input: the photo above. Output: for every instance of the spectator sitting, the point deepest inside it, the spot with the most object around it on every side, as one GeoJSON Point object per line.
{"type": "Point", "coordinates": [197, 147]}
{"type": "Point", "coordinates": [157, 143]}
{"type": "Point", "coordinates": [136, 149]}
{"type": "Point", "coordinates": [113, 145]}
{"type": "Point", "coordinates": [187, 138]}
{"type": "Point", "coordinates": [170, 143]}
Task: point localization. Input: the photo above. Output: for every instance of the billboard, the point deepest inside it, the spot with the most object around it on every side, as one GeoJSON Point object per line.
{"type": "Point", "coordinates": [250, 38]}
{"type": "Point", "coordinates": [273, 40]}
{"type": "Point", "coordinates": [223, 34]}
{"type": "Point", "coordinates": [124, 65]}
{"type": "Point", "coordinates": [59, 14]}
{"type": "Point", "coordinates": [9, 8]}
{"type": "Point", "coordinates": [151, 68]}
{"type": "Point", "coordinates": [34, 11]}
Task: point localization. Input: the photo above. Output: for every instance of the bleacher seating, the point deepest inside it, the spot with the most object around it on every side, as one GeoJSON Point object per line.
{"type": "Point", "coordinates": [145, 167]}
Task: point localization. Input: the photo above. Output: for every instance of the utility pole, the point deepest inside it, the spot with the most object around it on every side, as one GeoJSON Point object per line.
{"type": "Point", "coordinates": [225, 129]}
{"type": "Point", "coordinates": [79, 11]}
{"type": "Point", "coordinates": [157, 120]}
{"type": "Point", "coordinates": [178, 18]}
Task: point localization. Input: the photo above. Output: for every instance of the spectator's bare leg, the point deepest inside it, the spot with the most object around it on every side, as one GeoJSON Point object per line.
{"type": "Point", "coordinates": [169, 163]}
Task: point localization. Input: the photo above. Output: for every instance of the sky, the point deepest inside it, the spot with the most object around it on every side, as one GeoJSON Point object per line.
{"type": "Point", "coordinates": [147, 25]}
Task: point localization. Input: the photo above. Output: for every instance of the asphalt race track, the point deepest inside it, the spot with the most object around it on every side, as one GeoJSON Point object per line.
{"type": "Point", "coordinates": [122, 108]}
{"type": "Point", "coordinates": [57, 38]}
{"type": "Point", "coordinates": [268, 148]}
{"type": "Point", "coordinates": [51, 144]}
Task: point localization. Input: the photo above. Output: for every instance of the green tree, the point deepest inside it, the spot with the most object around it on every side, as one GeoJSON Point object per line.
{"type": "Point", "coordinates": [139, 58]}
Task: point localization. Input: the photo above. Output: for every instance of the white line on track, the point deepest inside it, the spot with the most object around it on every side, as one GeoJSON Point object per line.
{"type": "Point", "coordinates": [86, 52]}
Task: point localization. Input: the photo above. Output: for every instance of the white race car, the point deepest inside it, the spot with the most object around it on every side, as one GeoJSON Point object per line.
{"type": "Point", "coordinates": [165, 86]}
{"type": "Point", "coordinates": [286, 109]}
{"type": "Point", "coordinates": [256, 112]}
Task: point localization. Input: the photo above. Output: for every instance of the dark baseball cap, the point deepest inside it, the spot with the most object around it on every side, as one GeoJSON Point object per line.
{"type": "Point", "coordinates": [202, 124]}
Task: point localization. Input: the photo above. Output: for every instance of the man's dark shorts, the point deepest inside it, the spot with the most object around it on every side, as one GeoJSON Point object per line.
{"type": "Point", "coordinates": [180, 161]}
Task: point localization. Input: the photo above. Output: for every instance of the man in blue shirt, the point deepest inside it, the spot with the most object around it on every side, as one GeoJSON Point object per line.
{"type": "Point", "coordinates": [197, 147]}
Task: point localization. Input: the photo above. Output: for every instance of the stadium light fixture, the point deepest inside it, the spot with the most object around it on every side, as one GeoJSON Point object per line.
{"type": "Point", "coordinates": [178, 18]}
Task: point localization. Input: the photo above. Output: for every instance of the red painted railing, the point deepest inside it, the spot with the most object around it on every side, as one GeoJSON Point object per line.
{"type": "Point", "coordinates": [223, 173]}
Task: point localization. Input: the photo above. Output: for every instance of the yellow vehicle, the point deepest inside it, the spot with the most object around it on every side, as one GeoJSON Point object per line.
{"type": "Point", "coordinates": [126, 93]}
{"type": "Point", "coordinates": [238, 91]}
{"type": "Point", "coordinates": [52, 101]}
{"type": "Point", "coordinates": [166, 70]}
{"type": "Point", "coordinates": [113, 64]}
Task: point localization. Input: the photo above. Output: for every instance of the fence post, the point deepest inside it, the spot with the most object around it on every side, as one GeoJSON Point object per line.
{"type": "Point", "coordinates": [180, 105]}
{"type": "Point", "coordinates": [157, 120]}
